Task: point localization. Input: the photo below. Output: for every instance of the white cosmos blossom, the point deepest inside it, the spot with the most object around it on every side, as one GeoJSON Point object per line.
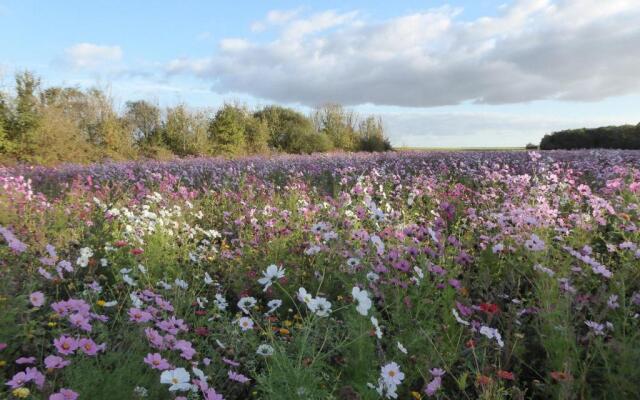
{"type": "Point", "coordinates": [304, 296]}
{"type": "Point", "coordinates": [273, 305]}
{"type": "Point", "coordinates": [181, 284]}
{"type": "Point", "coordinates": [362, 299]}
{"type": "Point", "coordinates": [375, 239]}
{"type": "Point", "coordinates": [110, 303]}
{"type": "Point", "coordinates": [272, 274]}
{"type": "Point", "coordinates": [207, 279]}
{"type": "Point", "coordinates": [402, 348]}
{"type": "Point", "coordinates": [320, 306]}
{"type": "Point", "coordinates": [164, 285]}
{"type": "Point", "coordinates": [220, 302]}
{"type": "Point", "coordinates": [129, 280]}
{"type": "Point", "coordinates": [265, 350]}
{"type": "Point", "coordinates": [391, 374]}
{"type": "Point", "coordinates": [492, 333]}
{"type": "Point", "coordinates": [374, 322]}
{"type": "Point", "coordinates": [178, 379]}
{"type": "Point", "coordinates": [135, 300]}
{"type": "Point", "coordinates": [457, 317]}
{"type": "Point", "coordinates": [245, 303]}
{"type": "Point", "coordinates": [372, 277]}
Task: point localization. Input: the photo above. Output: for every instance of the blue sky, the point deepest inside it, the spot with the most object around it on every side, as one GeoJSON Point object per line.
{"type": "Point", "coordinates": [456, 73]}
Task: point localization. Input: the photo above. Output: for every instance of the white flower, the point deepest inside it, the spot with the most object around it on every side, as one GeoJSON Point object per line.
{"type": "Point", "coordinates": [141, 391]}
{"type": "Point", "coordinates": [220, 302]}
{"type": "Point", "coordinates": [207, 279]}
{"type": "Point", "coordinates": [129, 280]}
{"type": "Point", "coordinates": [135, 300]}
{"type": "Point", "coordinates": [375, 239]}
{"type": "Point", "coordinates": [104, 262]}
{"type": "Point", "coordinates": [245, 303]}
{"type": "Point", "coordinates": [304, 296]}
{"type": "Point", "coordinates": [492, 333]}
{"type": "Point", "coordinates": [273, 305]}
{"type": "Point", "coordinates": [110, 303]}
{"type": "Point", "coordinates": [457, 317]}
{"type": "Point", "coordinates": [181, 284]}
{"type": "Point", "coordinates": [374, 322]}
{"type": "Point", "coordinates": [362, 299]}
{"type": "Point", "coordinates": [202, 301]}
{"type": "Point", "coordinates": [320, 306]}
{"type": "Point", "coordinates": [164, 285]}
{"type": "Point", "coordinates": [178, 379]}
{"type": "Point", "coordinates": [391, 374]}
{"type": "Point", "coordinates": [199, 374]}
{"type": "Point", "coordinates": [245, 323]}
{"type": "Point", "coordinates": [402, 348]}
{"type": "Point", "coordinates": [372, 277]}
{"type": "Point", "coordinates": [142, 269]}
{"type": "Point", "coordinates": [272, 274]}
{"type": "Point", "coordinates": [264, 350]}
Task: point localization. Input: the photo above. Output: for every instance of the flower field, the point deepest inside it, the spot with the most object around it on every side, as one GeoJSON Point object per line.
{"type": "Point", "coordinates": [409, 275]}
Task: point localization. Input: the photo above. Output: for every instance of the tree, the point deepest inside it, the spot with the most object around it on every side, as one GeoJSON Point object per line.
{"type": "Point", "coordinates": [144, 121]}
{"type": "Point", "coordinates": [289, 130]}
{"type": "Point", "coordinates": [226, 131]}
{"type": "Point", "coordinates": [371, 135]}
{"type": "Point", "coordinates": [338, 124]}
{"type": "Point", "coordinates": [27, 110]}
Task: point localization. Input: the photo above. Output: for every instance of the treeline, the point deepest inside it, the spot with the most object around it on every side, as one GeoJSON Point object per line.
{"type": "Point", "coordinates": [66, 124]}
{"type": "Point", "coordinates": [607, 137]}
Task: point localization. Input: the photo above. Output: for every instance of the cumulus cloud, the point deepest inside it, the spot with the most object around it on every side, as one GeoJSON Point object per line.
{"type": "Point", "coordinates": [92, 56]}
{"type": "Point", "coordinates": [583, 50]}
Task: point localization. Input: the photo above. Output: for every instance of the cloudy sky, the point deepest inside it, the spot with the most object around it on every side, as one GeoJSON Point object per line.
{"type": "Point", "coordinates": [440, 73]}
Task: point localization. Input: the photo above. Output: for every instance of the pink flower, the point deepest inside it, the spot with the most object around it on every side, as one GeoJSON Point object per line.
{"type": "Point", "coordinates": [210, 394]}
{"type": "Point", "coordinates": [154, 338]}
{"type": "Point", "coordinates": [139, 316]}
{"type": "Point", "coordinates": [64, 394]}
{"type": "Point", "coordinates": [187, 351]}
{"type": "Point", "coordinates": [3, 346]}
{"type": "Point", "coordinates": [55, 362]}
{"type": "Point", "coordinates": [81, 321]}
{"type": "Point", "coordinates": [36, 376]}
{"type": "Point", "coordinates": [156, 361]}
{"type": "Point", "coordinates": [18, 380]}
{"type": "Point", "coordinates": [234, 376]}
{"type": "Point", "coordinates": [26, 360]}
{"type": "Point", "coordinates": [89, 347]}
{"type": "Point", "coordinates": [65, 345]}
{"type": "Point", "coordinates": [36, 299]}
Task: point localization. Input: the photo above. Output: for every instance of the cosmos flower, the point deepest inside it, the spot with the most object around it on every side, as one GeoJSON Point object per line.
{"type": "Point", "coordinates": [270, 275]}
{"type": "Point", "coordinates": [178, 379]}
{"type": "Point", "coordinates": [363, 302]}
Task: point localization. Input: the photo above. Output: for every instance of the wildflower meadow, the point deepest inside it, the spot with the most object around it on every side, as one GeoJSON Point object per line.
{"type": "Point", "coordinates": [402, 275]}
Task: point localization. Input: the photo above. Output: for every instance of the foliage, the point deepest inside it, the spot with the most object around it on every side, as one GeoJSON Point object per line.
{"type": "Point", "coordinates": [608, 137]}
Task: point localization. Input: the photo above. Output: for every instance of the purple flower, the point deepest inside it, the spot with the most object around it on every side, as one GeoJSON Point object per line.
{"type": "Point", "coordinates": [55, 362]}
{"type": "Point", "coordinates": [36, 299]}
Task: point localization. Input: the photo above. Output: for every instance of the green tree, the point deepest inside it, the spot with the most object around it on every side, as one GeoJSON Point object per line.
{"type": "Point", "coordinates": [144, 121]}
{"type": "Point", "coordinates": [371, 135]}
{"type": "Point", "coordinates": [227, 131]}
{"type": "Point", "coordinates": [288, 130]}
{"type": "Point", "coordinates": [338, 124]}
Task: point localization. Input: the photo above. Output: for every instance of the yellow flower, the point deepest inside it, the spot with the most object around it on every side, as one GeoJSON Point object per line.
{"type": "Point", "coordinates": [101, 303]}
{"type": "Point", "coordinates": [2, 363]}
{"type": "Point", "coordinates": [416, 395]}
{"type": "Point", "coordinates": [287, 323]}
{"type": "Point", "coordinates": [21, 392]}
{"type": "Point", "coordinates": [284, 331]}
{"type": "Point", "coordinates": [52, 324]}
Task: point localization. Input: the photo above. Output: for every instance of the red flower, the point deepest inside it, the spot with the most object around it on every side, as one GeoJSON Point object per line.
{"type": "Point", "coordinates": [137, 251]}
{"type": "Point", "coordinates": [200, 313]}
{"type": "Point", "coordinates": [506, 375]}
{"type": "Point", "coordinates": [483, 380]}
{"type": "Point", "coordinates": [561, 376]}
{"type": "Point", "coordinates": [201, 331]}
{"type": "Point", "coordinates": [490, 308]}
{"type": "Point", "coordinates": [471, 344]}
{"type": "Point", "coordinates": [120, 243]}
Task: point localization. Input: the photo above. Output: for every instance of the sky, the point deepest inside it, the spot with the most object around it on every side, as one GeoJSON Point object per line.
{"type": "Point", "coordinates": [459, 73]}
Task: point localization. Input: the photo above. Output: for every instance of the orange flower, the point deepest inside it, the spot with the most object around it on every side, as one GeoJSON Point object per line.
{"type": "Point", "coordinates": [483, 380]}
{"type": "Point", "coordinates": [561, 376]}
{"type": "Point", "coordinates": [506, 375]}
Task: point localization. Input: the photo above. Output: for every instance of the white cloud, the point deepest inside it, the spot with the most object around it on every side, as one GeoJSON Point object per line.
{"type": "Point", "coordinates": [582, 50]}
{"type": "Point", "coordinates": [92, 56]}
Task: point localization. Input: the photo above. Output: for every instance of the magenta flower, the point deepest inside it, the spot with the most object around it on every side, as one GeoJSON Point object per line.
{"type": "Point", "coordinates": [64, 394]}
{"type": "Point", "coordinates": [156, 361]}
{"type": "Point", "coordinates": [65, 345]}
{"type": "Point", "coordinates": [36, 299]}
{"type": "Point", "coordinates": [186, 349]}
{"type": "Point", "coordinates": [55, 362]}
{"type": "Point", "coordinates": [36, 376]}
{"type": "Point", "coordinates": [139, 316]}
{"type": "Point", "coordinates": [89, 347]}
{"type": "Point", "coordinates": [26, 360]}
{"type": "Point", "coordinates": [234, 376]}
{"type": "Point", "coordinates": [210, 394]}
{"type": "Point", "coordinates": [18, 380]}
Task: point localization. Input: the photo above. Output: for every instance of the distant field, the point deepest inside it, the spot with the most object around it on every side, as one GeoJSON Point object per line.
{"type": "Point", "coordinates": [460, 148]}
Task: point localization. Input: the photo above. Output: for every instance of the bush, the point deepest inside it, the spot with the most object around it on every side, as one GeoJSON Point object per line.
{"type": "Point", "coordinates": [609, 137]}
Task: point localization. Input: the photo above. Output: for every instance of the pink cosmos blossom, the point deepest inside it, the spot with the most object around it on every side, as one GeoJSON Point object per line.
{"type": "Point", "coordinates": [186, 350]}
{"type": "Point", "coordinates": [55, 362]}
{"type": "Point", "coordinates": [89, 347]}
{"type": "Point", "coordinates": [65, 345]}
{"type": "Point", "coordinates": [64, 394]}
{"type": "Point", "coordinates": [26, 360]}
{"type": "Point", "coordinates": [139, 316]}
{"type": "Point", "coordinates": [234, 376]}
{"type": "Point", "coordinates": [155, 361]}
{"type": "Point", "coordinates": [36, 299]}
